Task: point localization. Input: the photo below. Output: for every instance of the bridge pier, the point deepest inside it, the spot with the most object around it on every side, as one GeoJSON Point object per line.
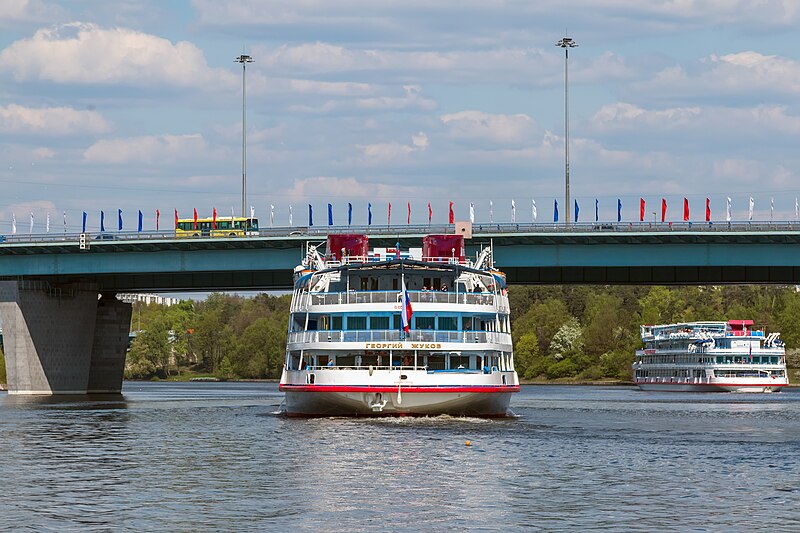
{"type": "Point", "coordinates": [62, 340]}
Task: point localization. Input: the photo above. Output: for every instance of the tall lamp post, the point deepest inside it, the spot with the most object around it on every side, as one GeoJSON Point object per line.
{"type": "Point", "coordinates": [566, 43]}
{"type": "Point", "coordinates": [244, 59]}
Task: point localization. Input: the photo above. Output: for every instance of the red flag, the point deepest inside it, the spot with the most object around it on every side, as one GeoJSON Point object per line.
{"type": "Point", "coordinates": [214, 221]}
{"type": "Point", "coordinates": [708, 210]}
{"type": "Point", "coordinates": [158, 215]}
{"type": "Point", "coordinates": [409, 213]}
{"type": "Point", "coordinates": [641, 209]}
{"type": "Point", "coordinates": [195, 218]}
{"type": "Point", "coordinates": [389, 216]}
{"type": "Point", "coordinates": [176, 219]}
{"type": "Point", "coordinates": [685, 210]}
{"type": "Point", "coordinates": [663, 209]}
{"type": "Point", "coordinates": [452, 216]}
{"type": "Point", "coordinates": [430, 212]}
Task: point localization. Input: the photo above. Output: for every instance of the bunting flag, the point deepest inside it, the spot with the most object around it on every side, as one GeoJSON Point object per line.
{"type": "Point", "coordinates": [577, 210]}
{"type": "Point", "coordinates": [728, 210]}
{"type": "Point", "coordinates": [596, 210]}
{"type": "Point", "coordinates": [452, 215]}
{"type": "Point", "coordinates": [102, 221]}
{"type": "Point", "coordinates": [14, 223]}
{"type": "Point", "coordinates": [47, 226]}
{"type": "Point", "coordinates": [750, 212]}
{"type": "Point", "coordinates": [796, 209]}
{"type": "Point", "coordinates": [619, 209]}
{"type": "Point", "coordinates": [158, 218]}
{"type": "Point", "coordinates": [708, 210]}
{"type": "Point", "coordinates": [685, 210]}
{"type": "Point", "coordinates": [389, 215]}
{"type": "Point", "coordinates": [290, 214]}
{"type": "Point", "coordinates": [176, 219]}
{"type": "Point", "coordinates": [369, 214]}
{"type": "Point", "coordinates": [195, 218]}
{"type": "Point", "coordinates": [513, 212]}
{"type": "Point", "coordinates": [82, 231]}
{"type": "Point", "coordinates": [233, 216]}
{"type": "Point", "coordinates": [310, 216]}
{"type": "Point", "coordinates": [349, 213]}
{"type": "Point", "coordinates": [555, 210]}
{"type": "Point", "coordinates": [430, 213]}
{"type": "Point", "coordinates": [271, 215]}
{"type": "Point", "coordinates": [491, 212]}
{"type": "Point", "coordinates": [641, 209]}
{"type": "Point", "coordinates": [30, 232]}
{"type": "Point", "coordinates": [252, 211]}
{"type": "Point", "coordinates": [65, 221]}
{"type": "Point", "coordinates": [663, 209]}
{"type": "Point", "coordinates": [471, 213]}
{"type": "Point", "coordinates": [119, 219]}
{"type": "Point", "coordinates": [330, 215]}
{"type": "Point", "coordinates": [533, 209]}
{"type": "Point", "coordinates": [408, 220]}
{"type": "Point", "coordinates": [771, 208]}
{"type": "Point", "coordinates": [214, 219]}
{"type": "Point", "coordinates": [140, 221]}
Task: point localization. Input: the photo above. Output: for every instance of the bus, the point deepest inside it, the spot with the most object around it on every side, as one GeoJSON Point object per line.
{"type": "Point", "coordinates": [225, 227]}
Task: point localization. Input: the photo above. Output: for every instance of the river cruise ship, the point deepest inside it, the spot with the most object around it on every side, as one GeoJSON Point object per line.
{"type": "Point", "coordinates": [710, 356]}
{"type": "Point", "coordinates": [423, 331]}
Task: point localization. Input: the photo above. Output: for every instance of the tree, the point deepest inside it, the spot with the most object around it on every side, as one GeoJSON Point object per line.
{"type": "Point", "coordinates": [568, 340]}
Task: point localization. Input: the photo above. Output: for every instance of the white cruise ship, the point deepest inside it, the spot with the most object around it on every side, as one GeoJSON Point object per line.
{"type": "Point", "coordinates": [710, 356]}
{"type": "Point", "coordinates": [423, 331]}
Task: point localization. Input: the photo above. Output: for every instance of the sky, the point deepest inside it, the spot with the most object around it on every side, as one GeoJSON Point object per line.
{"type": "Point", "coordinates": [137, 105]}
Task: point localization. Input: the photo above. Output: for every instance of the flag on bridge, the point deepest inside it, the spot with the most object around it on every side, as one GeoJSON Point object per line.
{"type": "Point", "coordinates": [102, 221]}
{"type": "Point", "coordinates": [641, 209]}
{"type": "Point", "coordinates": [491, 212]}
{"type": "Point", "coordinates": [214, 219]}
{"type": "Point", "coordinates": [430, 213]}
{"type": "Point", "coordinates": [158, 217]}
{"type": "Point", "coordinates": [708, 210]}
{"type": "Point", "coordinates": [533, 209]}
{"type": "Point", "coordinates": [369, 214]}
{"type": "Point", "coordinates": [290, 214]}
{"type": "Point", "coordinates": [513, 212]}
{"type": "Point", "coordinates": [31, 230]}
{"type": "Point", "coordinates": [195, 218]}
{"type": "Point", "coordinates": [310, 216]}
{"type": "Point", "coordinates": [728, 210]}
{"type": "Point", "coordinates": [452, 215]}
{"type": "Point", "coordinates": [555, 210]}
{"type": "Point", "coordinates": [349, 213]}
{"type": "Point", "coordinates": [596, 210]}
{"type": "Point", "coordinates": [619, 209]}
{"type": "Point", "coordinates": [330, 215]}
{"type": "Point", "coordinates": [771, 208]}
{"type": "Point", "coordinates": [82, 231]}
{"type": "Point", "coordinates": [140, 221]}
{"type": "Point", "coordinates": [408, 220]}
{"type": "Point", "coordinates": [14, 223]}
{"type": "Point", "coordinates": [471, 213]}
{"type": "Point", "coordinates": [750, 212]}
{"type": "Point", "coordinates": [47, 226]}
{"type": "Point", "coordinates": [119, 219]}
{"type": "Point", "coordinates": [685, 210]}
{"type": "Point", "coordinates": [663, 209]}
{"type": "Point", "coordinates": [271, 215]}
{"type": "Point", "coordinates": [389, 215]}
{"type": "Point", "coordinates": [577, 210]}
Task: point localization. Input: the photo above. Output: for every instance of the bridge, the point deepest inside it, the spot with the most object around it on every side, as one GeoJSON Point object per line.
{"type": "Point", "coordinates": [61, 338]}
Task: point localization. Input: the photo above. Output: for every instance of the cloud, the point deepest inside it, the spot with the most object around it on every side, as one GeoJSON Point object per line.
{"type": "Point", "coordinates": [480, 126]}
{"type": "Point", "coordinates": [411, 100]}
{"type": "Point", "coordinates": [50, 121]}
{"type": "Point", "coordinates": [15, 12]}
{"type": "Point", "coordinates": [148, 150]}
{"type": "Point", "coordinates": [327, 187]}
{"type": "Point", "coordinates": [393, 152]}
{"type": "Point", "coordinates": [83, 53]}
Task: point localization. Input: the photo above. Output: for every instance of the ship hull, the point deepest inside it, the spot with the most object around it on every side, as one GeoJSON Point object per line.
{"type": "Point", "coordinates": [712, 387]}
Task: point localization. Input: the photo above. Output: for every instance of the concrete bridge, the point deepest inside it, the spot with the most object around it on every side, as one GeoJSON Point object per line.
{"type": "Point", "coordinates": [65, 332]}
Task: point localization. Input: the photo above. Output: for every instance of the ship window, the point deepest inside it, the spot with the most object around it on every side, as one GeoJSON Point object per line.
{"type": "Point", "coordinates": [364, 284]}
{"type": "Point", "coordinates": [336, 323]}
{"type": "Point", "coordinates": [379, 322]}
{"type": "Point", "coordinates": [448, 323]}
{"type": "Point", "coordinates": [457, 361]}
{"type": "Point", "coordinates": [356, 322]}
{"type": "Point", "coordinates": [425, 322]}
{"type": "Point", "coordinates": [436, 362]}
{"type": "Point", "coordinates": [396, 321]}
{"type": "Point", "coordinates": [467, 321]}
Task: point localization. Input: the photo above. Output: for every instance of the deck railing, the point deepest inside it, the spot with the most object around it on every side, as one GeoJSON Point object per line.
{"type": "Point", "coordinates": [382, 335]}
{"type": "Point", "coordinates": [303, 300]}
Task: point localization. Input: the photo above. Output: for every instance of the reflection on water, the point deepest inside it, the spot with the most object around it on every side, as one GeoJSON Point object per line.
{"type": "Point", "coordinates": [214, 456]}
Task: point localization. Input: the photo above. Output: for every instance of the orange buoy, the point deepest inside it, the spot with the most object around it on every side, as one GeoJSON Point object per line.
{"type": "Point", "coordinates": [468, 443]}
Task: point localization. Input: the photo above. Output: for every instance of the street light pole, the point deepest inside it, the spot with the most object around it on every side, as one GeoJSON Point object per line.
{"type": "Point", "coordinates": [244, 59]}
{"type": "Point", "coordinates": [566, 43]}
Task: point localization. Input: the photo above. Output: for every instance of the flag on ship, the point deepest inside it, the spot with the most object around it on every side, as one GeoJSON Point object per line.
{"type": "Point", "coordinates": [406, 311]}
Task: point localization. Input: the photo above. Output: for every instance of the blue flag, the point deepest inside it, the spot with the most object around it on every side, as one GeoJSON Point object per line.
{"type": "Point", "coordinates": [310, 216]}
{"type": "Point", "coordinates": [596, 210]}
{"type": "Point", "coordinates": [330, 215]}
{"type": "Point", "coordinates": [577, 210]}
{"type": "Point", "coordinates": [349, 213]}
{"type": "Point", "coordinates": [369, 214]}
{"type": "Point", "coordinates": [84, 223]}
{"type": "Point", "coordinates": [119, 219]}
{"type": "Point", "coordinates": [102, 221]}
{"type": "Point", "coordinates": [555, 211]}
{"type": "Point", "coordinates": [619, 210]}
{"type": "Point", "coordinates": [140, 221]}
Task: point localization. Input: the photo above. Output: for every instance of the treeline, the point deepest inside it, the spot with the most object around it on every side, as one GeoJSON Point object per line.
{"type": "Point", "coordinates": [579, 332]}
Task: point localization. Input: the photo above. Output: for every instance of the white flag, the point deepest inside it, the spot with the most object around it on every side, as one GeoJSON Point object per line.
{"type": "Point", "coordinates": [513, 212]}
{"type": "Point", "coordinates": [290, 215]}
{"type": "Point", "coordinates": [47, 230]}
{"type": "Point", "coordinates": [750, 214]}
{"type": "Point", "coordinates": [65, 221]}
{"type": "Point", "coordinates": [471, 213]}
{"type": "Point", "coordinates": [771, 208]}
{"type": "Point", "coordinates": [491, 212]}
{"type": "Point", "coordinates": [233, 215]}
{"type": "Point", "coordinates": [31, 230]}
{"type": "Point", "coordinates": [252, 212]}
{"type": "Point", "coordinates": [728, 210]}
{"type": "Point", "coordinates": [271, 215]}
{"type": "Point", "coordinates": [533, 209]}
{"type": "Point", "coordinates": [13, 224]}
{"type": "Point", "coordinates": [796, 209]}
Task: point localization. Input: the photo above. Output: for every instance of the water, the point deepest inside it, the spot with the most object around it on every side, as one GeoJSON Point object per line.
{"type": "Point", "coordinates": [216, 457]}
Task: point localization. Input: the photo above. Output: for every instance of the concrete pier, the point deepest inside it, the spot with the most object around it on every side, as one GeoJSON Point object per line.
{"type": "Point", "coordinates": [62, 340]}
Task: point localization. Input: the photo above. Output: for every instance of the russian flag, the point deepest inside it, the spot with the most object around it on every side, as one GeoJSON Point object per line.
{"type": "Point", "coordinates": [406, 312]}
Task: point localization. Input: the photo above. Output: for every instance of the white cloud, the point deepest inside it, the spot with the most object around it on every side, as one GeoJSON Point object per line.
{"type": "Point", "coordinates": [327, 187]}
{"type": "Point", "coordinates": [50, 121]}
{"type": "Point", "coordinates": [14, 12]}
{"type": "Point", "coordinates": [393, 152]}
{"type": "Point", "coordinates": [411, 100]}
{"type": "Point", "coordinates": [480, 126]}
{"type": "Point", "coordinates": [83, 53]}
{"type": "Point", "coordinates": [161, 149]}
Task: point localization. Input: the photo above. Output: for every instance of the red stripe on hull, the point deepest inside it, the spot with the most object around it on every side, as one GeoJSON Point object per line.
{"type": "Point", "coordinates": [404, 390]}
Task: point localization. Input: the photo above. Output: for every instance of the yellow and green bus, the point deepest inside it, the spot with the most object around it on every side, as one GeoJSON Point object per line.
{"type": "Point", "coordinates": [224, 227]}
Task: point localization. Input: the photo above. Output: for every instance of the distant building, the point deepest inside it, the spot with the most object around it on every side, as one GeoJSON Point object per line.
{"type": "Point", "coordinates": [130, 297]}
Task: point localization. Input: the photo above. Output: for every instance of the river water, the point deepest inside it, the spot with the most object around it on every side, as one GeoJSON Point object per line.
{"type": "Point", "coordinates": [217, 457]}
